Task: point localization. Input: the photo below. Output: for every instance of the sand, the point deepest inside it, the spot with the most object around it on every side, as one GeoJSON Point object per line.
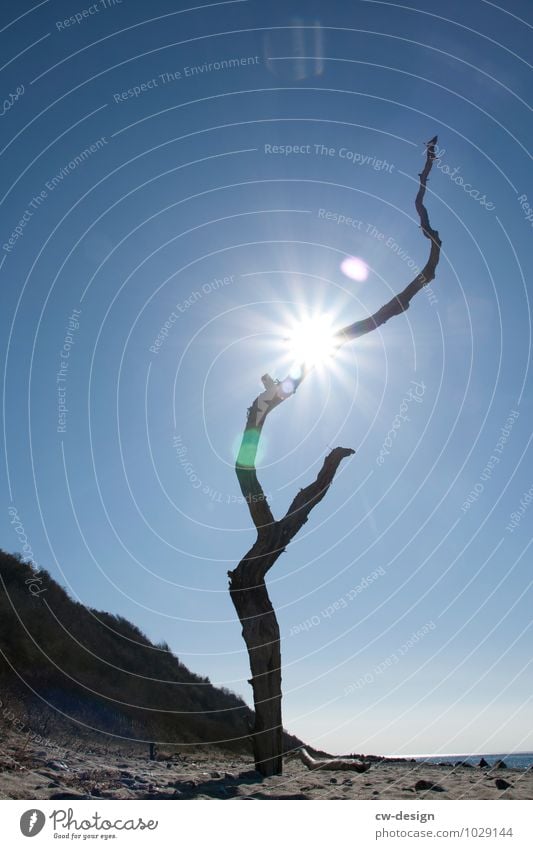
{"type": "Point", "coordinates": [115, 772]}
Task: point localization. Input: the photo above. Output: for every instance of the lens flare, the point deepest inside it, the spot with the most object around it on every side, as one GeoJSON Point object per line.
{"type": "Point", "coordinates": [354, 268]}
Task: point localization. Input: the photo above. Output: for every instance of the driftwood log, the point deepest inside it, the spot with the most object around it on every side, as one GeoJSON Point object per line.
{"type": "Point", "coordinates": [328, 763]}
{"type": "Point", "coordinates": [247, 581]}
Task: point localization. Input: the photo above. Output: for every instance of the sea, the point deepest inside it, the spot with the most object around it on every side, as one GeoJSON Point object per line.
{"type": "Point", "coordinates": [518, 760]}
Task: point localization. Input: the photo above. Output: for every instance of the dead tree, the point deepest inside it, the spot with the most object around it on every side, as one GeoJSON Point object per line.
{"type": "Point", "coordinates": [247, 587]}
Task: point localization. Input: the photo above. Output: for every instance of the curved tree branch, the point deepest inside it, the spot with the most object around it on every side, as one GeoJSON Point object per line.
{"type": "Point", "coordinates": [307, 498]}
{"type": "Point", "coordinates": [277, 391]}
{"type": "Point", "coordinates": [401, 302]}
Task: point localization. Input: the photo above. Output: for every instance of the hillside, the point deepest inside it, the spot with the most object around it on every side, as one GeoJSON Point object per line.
{"type": "Point", "coordinates": [101, 671]}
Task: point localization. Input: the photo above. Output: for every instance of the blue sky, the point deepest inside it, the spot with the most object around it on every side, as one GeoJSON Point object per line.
{"type": "Point", "coordinates": [180, 207]}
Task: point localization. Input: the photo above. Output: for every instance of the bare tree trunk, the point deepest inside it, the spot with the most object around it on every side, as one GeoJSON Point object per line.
{"type": "Point", "coordinates": [249, 594]}
{"type": "Point", "coordinates": [261, 634]}
{"type": "Point", "coordinates": [247, 586]}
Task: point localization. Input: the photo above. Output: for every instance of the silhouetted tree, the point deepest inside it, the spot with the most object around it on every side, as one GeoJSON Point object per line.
{"type": "Point", "coordinates": [247, 587]}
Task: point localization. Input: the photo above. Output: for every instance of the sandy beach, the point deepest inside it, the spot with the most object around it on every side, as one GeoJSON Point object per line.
{"type": "Point", "coordinates": [122, 772]}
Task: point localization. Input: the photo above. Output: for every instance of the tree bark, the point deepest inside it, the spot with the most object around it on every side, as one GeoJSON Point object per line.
{"type": "Point", "coordinates": [261, 634]}
{"type": "Point", "coordinates": [247, 586]}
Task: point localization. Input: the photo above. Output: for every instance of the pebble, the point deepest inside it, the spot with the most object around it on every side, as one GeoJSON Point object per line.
{"type": "Point", "coordinates": [428, 785]}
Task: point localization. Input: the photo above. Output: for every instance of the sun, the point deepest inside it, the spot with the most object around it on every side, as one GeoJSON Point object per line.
{"type": "Point", "coordinates": [311, 341]}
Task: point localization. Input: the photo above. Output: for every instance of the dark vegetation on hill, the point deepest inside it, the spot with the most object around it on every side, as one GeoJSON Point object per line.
{"type": "Point", "coordinates": [101, 671]}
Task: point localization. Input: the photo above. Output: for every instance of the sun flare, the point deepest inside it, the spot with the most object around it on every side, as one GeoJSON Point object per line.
{"type": "Point", "coordinates": [312, 342]}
